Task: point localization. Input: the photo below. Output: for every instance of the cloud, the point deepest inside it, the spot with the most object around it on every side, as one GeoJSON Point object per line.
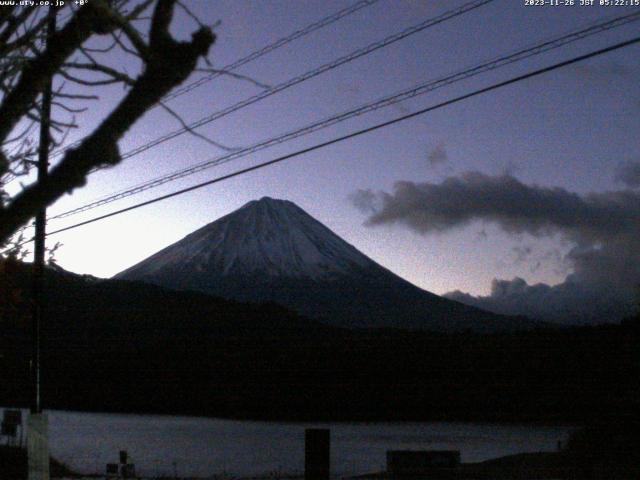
{"type": "Point", "coordinates": [504, 200]}
{"type": "Point", "coordinates": [523, 253]}
{"type": "Point", "coordinates": [437, 155]}
{"type": "Point", "coordinates": [602, 227]}
{"type": "Point", "coordinates": [628, 173]}
{"type": "Point", "coordinates": [364, 200]}
{"type": "Point", "coordinates": [512, 297]}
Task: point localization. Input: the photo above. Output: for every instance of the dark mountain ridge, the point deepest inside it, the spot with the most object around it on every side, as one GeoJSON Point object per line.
{"type": "Point", "coordinates": [132, 347]}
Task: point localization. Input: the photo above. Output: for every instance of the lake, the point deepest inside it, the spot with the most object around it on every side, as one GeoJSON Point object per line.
{"type": "Point", "coordinates": [207, 446]}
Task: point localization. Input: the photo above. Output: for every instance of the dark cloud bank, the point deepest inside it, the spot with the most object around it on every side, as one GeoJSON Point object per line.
{"type": "Point", "coordinates": [602, 227]}
{"type": "Point", "coordinates": [628, 173]}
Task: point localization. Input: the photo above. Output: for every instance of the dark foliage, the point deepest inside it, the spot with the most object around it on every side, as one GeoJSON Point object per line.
{"type": "Point", "coordinates": [165, 63]}
{"type": "Point", "coordinates": [124, 346]}
{"type": "Point", "coordinates": [610, 443]}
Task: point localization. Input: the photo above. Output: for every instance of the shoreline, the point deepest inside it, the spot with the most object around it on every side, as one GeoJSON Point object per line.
{"type": "Point", "coordinates": [498, 420]}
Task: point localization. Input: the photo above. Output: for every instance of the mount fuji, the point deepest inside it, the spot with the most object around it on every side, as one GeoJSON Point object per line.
{"type": "Point", "coordinates": [273, 251]}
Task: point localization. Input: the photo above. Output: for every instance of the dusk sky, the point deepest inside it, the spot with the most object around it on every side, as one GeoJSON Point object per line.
{"type": "Point", "coordinates": [536, 181]}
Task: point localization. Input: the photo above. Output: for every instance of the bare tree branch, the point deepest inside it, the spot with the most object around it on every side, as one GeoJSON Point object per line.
{"type": "Point", "coordinates": [25, 39]}
{"type": "Point", "coordinates": [69, 109]}
{"type": "Point", "coordinates": [115, 74]}
{"type": "Point", "coordinates": [89, 19]}
{"type": "Point", "coordinates": [13, 24]}
{"type": "Point", "coordinates": [168, 64]}
{"type": "Point", "coordinates": [76, 96]}
{"type": "Point", "coordinates": [132, 34]}
{"type": "Point", "coordinates": [237, 76]}
{"type": "Point", "coordinates": [86, 82]}
{"type": "Point", "coordinates": [184, 125]}
{"type": "Point", "coordinates": [117, 39]}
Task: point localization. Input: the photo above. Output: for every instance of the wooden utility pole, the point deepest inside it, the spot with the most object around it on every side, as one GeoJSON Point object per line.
{"type": "Point", "coordinates": [40, 233]}
{"type": "Point", "coordinates": [37, 435]}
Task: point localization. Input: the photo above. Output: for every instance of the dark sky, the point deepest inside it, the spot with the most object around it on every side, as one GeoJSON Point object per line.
{"type": "Point", "coordinates": [531, 184]}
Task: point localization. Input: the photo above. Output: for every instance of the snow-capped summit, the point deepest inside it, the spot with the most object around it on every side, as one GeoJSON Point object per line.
{"type": "Point", "coordinates": [272, 250]}
{"type": "Point", "coordinates": [271, 237]}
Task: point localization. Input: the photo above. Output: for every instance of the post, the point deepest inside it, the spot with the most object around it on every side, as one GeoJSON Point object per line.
{"type": "Point", "coordinates": [40, 224]}
{"type": "Point", "coordinates": [37, 435]}
{"type": "Point", "coordinates": [317, 454]}
{"type": "Point", "coordinates": [38, 446]}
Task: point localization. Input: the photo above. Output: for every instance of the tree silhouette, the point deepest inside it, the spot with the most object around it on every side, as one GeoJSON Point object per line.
{"type": "Point", "coordinates": [28, 62]}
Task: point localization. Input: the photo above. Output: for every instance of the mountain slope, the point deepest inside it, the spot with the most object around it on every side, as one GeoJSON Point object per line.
{"type": "Point", "coordinates": [275, 238]}
{"type": "Point", "coordinates": [272, 250]}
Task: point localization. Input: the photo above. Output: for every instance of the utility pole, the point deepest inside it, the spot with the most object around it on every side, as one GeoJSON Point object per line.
{"type": "Point", "coordinates": [38, 435]}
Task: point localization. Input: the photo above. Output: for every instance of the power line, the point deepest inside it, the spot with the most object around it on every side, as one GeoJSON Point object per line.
{"type": "Point", "coordinates": [378, 126]}
{"type": "Point", "coordinates": [420, 89]}
{"type": "Point", "coordinates": [311, 74]}
{"type": "Point", "coordinates": [328, 20]}
{"type": "Point", "coordinates": [273, 46]}
{"type": "Point", "coordinates": [450, 14]}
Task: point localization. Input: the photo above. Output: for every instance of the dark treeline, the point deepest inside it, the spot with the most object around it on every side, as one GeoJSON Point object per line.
{"type": "Point", "coordinates": [120, 346]}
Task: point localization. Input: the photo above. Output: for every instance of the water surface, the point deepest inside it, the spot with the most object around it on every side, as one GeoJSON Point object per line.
{"type": "Point", "coordinates": [206, 446]}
